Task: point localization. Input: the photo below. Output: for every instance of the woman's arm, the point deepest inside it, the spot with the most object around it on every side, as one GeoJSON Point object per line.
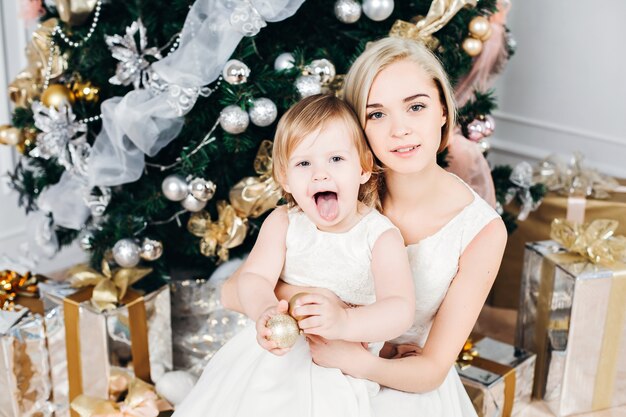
{"type": "Point", "coordinates": [392, 313]}
{"type": "Point", "coordinates": [453, 323]}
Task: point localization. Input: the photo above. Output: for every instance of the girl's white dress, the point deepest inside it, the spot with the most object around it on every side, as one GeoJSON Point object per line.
{"type": "Point", "coordinates": [244, 380]}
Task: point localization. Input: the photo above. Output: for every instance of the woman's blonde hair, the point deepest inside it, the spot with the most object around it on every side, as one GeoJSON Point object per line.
{"type": "Point", "coordinates": [307, 116]}
{"type": "Point", "coordinates": [381, 54]}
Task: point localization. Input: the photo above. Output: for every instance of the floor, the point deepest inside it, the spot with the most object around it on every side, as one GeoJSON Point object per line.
{"type": "Point", "coordinates": [499, 324]}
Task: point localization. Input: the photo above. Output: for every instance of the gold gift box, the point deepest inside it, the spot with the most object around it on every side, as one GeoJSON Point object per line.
{"type": "Point", "coordinates": [498, 377]}
{"type": "Point", "coordinates": [573, 315]}
{"type": "Point", "coordinates": [505, 291]}
{"type": "Point", "coordinates": [84, 343]}
{"type": "Point", "coordinates": [24, 367]}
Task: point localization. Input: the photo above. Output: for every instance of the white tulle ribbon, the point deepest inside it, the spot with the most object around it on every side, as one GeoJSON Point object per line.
{"type": "Point", "coordinates": [146, 120]}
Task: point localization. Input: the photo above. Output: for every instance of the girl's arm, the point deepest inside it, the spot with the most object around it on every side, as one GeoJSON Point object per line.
{"type": "Point", "coordinates": [259, 274]}
{"type": "Point", "coordinates": [453, 323]}
{"type": "Point", "coordinates": [390, 316]}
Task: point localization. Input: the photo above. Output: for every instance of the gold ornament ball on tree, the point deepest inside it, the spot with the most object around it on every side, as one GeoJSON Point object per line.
{"type": "Point", "coordinates": [284, 330]}
{"type": "Point", "coordinates": [85, 91]}
{"type": "Point", "coordinates": [472, 47]}
{"type": "Point", "coordinates": [57, 96]}
{"type": "Point", "coordinates": [480, 28]}
{"type": "Point", "coordinates": [10, 135]}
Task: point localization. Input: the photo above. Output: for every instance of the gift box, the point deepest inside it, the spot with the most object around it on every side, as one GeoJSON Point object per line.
{"type": "Point", "coordinates": [24, 368]}
{"type": "Point", "coordinates": [497, 376]}
{"type": "Point", "coordinates": [201, 325]}
{"type": "Point", "coordinates": [85, 342]}
{"type": "Point", "coordinates": [506, 289]}
{"type": "Point", "coordinates": [572, 314]}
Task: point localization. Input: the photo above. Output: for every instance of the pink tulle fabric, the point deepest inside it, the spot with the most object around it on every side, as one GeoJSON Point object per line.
{"type": "Point", "coordinates": [464, 156]}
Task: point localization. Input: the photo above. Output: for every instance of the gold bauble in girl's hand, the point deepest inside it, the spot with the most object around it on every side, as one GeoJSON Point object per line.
{"type": "Point", "coordinates": [10, 135]}
{"type": "Point", "coordinates": [57, 96]}
{"type": "Point", "coordinates": [472, 47]}
{"type": "Point", "coordinates": [292, 305]}
{"type": "Point", "coordinates": [480, 27]}
{"type": "Point", "coordinates": [284, 330]}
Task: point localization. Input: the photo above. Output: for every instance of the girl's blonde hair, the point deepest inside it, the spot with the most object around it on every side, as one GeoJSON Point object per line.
{"type": "Point", "coordinates": [384, 52]}
{"type": "Point", "coordinates": [309, 115]}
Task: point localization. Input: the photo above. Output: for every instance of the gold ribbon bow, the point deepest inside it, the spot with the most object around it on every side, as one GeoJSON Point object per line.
{"type": "Point", "coordinates": [109, 286]}
{"type": "Point", "coordinates": [218, 236]}
{"type": "Point", "coordinates": [28, 84]}
{"type": "Point", "coordinates": [13, 285]}
{"type": "Point", "coordinates": [253, 196]}
{"type": "Point", "coordinates": [439, 14]}
{"type": "Point", "coordinates": [594, 241]}
{"type": "Point", "coordinates": [140, 401]}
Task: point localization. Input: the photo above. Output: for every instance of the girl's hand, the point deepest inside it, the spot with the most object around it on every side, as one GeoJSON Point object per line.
{"type": "Point", "coordinates": [324, 316]}
{"type": "Point", "coordinates": [263, 333]}
{"type": "Point", "coordinates": [349, 357]}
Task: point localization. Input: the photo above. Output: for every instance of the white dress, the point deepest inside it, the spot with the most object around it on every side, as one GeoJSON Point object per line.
{"type": "Point", "coordinates": [244, 380]}
{"type": "Point", "coordinates": [434, 263]}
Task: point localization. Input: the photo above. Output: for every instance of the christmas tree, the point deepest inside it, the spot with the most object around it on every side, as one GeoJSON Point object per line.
{"type": "Point", "coordinates": [145, 127]}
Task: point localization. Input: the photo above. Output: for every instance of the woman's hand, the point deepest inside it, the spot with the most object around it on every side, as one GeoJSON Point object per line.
{"type": "Point", "coordinates": [263, 333]}
{"type": "Point", "coordinates": [324, 316]}
{"type": "Point", "coordinates": [349, 357]}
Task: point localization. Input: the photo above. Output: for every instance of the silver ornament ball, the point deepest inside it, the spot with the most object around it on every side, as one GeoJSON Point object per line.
{"type": "Point", "coordinates": [284, 61]}
{"type": "Point", "coordinates": [235, 72]}
{"type": "Point", "coordinates": [234, 120]}
{"type": "Point", "coordinates": [85, 241]}
{"type": "Point", "coordinates": [378, 10]}
{"type": "Point", "coordinates": [308, 85]}
{"type": "Point", "coordinates": [151, 249]}
{"type": "Point", "coordinates": [347, 11]}
{"type": "Point", "coordinates": [126, 253]}
{"type": "Point", "coordinates": [174, 187]}
{"type": "Point", "coordinates": [202, 189]}
{"type": "Point", "coordinates": [192, 204]}
{"type": "Point", "coordinates": [323, 68]}
{"type": "Point", "coordinates": [263, 112]}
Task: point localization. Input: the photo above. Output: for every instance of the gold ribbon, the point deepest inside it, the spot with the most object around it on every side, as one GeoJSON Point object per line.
{"type": "Point", "coordinates": [594, 241]}
{"type": "Point", "coordinates": [28, 84]}
{"type": "Point", "coordinates": [109, 286]}
{"type": "Point", "coordinates": [218, 236]}
{"type": "Point", "coordinates": [469, 355]}
{"type": "Point", "coordinates": [75, 12]}
{"type": "Point", "coordinates": [13, 285]}
{"type": "Point", "coordinates": [140, 400]}
{"type": "Point", "coordinates": [439, 14]}
{"type": "Point", "coordinates": [614, 323]}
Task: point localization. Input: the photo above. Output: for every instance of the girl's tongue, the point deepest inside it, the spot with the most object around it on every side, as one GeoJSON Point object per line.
{"type": "Point", "coordinates": [327, 205]}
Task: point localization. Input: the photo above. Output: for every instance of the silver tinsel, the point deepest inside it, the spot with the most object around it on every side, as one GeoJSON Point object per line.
{"type": "Point", "coordinates": [284, 61]}
{"type": "Point", "coordinates": [347, 11]}
{"type": "Point", "coordinates": [378, 10]}
{"type": "Point", "coordinates": [263, 112]}
{"type": "Point", "coordinates": [235, 72]}
{"type": "Point", "coordinates": [234, 120]}
{"type": "Point", "coordinates": [126, 253]}
{"type": "Point", "coordinates": [323, 68]}
{"type": "Point", "coordinates": [308, 85]}
{"type": "Point", "coordinates": [134, 67]}
{"type": "Point", "coordinates": [61, 137]}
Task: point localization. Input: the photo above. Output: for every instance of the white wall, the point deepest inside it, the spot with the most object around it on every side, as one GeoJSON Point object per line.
{"type": "Point", "coordinates": [564, 89]}
{"type": "Point", "coordinates": [13, 37]}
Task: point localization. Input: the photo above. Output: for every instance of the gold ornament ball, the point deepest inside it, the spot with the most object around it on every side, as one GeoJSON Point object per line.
{"type": "Point", "coordinates": [85, 91]}
{"type": "Point", "coordinates": [292, 305]}
{"type": "Point", "coordinates": [57, 95]}
{"type": "Point", "coordinates": [479, 27]}
{"type": "Point", "coordinates": [472, 46]}
{"type": "Point", "coordinates": [284, 329]}
{"type": "Point", "coordinates": [10, 135]}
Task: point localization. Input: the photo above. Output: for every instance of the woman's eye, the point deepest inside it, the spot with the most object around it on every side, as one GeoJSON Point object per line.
{"type": "Point", "coordinates": [336, 159]}
{"type": "Point", "coordinates": [417, 107]}
{"type": "Point", "coordinates": [375, 115]}
{"type": "Point", "coordinates": [303, 164]}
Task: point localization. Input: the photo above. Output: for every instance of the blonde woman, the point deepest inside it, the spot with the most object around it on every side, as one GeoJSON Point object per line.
{"type": "Point", "coordinates": [454, 239]}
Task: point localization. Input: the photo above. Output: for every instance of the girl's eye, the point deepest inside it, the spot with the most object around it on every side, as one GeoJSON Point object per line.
{"type": "Point", "coordinates": [375, 115]}
{"type": "Point", "coordinates": [417, 107]}
{"type": "Point", "coordinates": [303, 164]}
{"type": "Point", "coordinates": [336, 158]}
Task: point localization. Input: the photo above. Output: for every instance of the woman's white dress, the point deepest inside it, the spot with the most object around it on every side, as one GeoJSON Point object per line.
{"type": "Point", "coordinates": [434, 263]}
{"type": "Point", "coordinates": [244, 380]}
